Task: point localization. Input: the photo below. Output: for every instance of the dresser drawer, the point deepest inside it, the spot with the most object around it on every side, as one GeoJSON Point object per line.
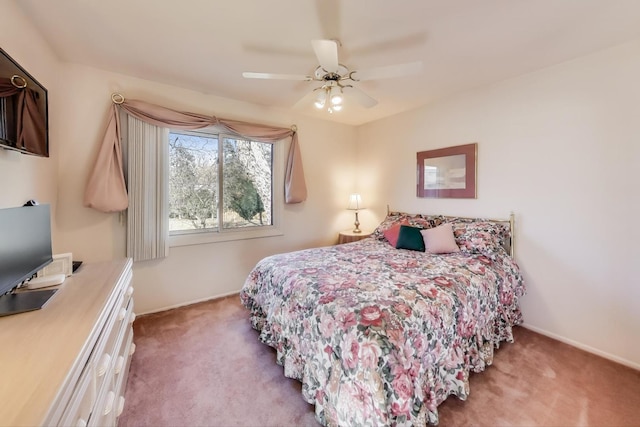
{"type": "Point", "coordinates": [104, 413]}
{"type": "Point", "coordinates": [79, 410]}
{"type": "Point", "coordinates": [121, 371]}
{"type": "Point", "coordinates": [111, 400]}
{"type": "Point", "coordinates": [105, 355]}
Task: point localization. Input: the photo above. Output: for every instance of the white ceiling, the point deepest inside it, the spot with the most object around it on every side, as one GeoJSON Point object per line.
{"type": "Point", "coordinates": [205, 45]}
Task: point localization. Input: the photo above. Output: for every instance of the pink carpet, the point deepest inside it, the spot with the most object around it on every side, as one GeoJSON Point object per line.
{"type": "Point", "coordinates": [203, 365]}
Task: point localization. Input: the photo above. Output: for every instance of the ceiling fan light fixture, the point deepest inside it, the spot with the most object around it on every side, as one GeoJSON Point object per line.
{"type": "Point", "coordinates": [333, 77]}
{"type": "Point", "coordinates": [321, 99]}
{"type": "Point", "coordinates": [336, 95]}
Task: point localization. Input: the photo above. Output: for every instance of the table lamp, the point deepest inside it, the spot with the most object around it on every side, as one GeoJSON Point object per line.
{"type": "Point", "coordinates": [355, 203]}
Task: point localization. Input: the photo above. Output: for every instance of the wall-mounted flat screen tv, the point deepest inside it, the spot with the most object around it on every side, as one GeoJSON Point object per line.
{"type": "Point", "coordinates": [24, 122]}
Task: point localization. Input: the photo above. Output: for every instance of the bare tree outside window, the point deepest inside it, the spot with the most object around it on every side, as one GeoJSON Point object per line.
{"type": "Point", "coordinates": [238, 182]}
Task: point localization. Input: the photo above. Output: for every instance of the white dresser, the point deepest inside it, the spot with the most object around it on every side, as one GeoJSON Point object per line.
{"type": "Point", "coordinates": [67, 363]}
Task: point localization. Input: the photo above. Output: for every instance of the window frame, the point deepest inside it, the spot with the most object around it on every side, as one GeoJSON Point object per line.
{"type": "Point", "coordinates": [220, 234]}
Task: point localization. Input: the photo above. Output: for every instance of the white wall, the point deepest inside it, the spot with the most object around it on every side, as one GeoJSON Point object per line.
{"type": "Point", "coordinates": [560, 148]}
{"type": "Point", "coordinates": [78, 104]}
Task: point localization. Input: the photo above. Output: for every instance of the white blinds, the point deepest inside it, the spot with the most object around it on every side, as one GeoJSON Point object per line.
{"type": "Point", "coordinates": [147, 169]}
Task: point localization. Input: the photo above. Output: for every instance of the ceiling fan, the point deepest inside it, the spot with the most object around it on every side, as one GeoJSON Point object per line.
{"type": "Point", "coordinates": [336, 79]}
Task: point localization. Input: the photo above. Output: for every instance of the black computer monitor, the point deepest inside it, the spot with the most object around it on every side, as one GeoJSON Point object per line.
{"type": "Point", "coordinates": [25, 248]}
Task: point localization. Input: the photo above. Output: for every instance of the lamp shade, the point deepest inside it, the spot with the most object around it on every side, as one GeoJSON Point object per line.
{"type": "Point", "coordinates": [355, 202]}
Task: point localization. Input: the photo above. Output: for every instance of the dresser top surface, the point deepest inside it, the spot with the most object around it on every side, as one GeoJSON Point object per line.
{"type": "Point", "coordinates": [39, 350]}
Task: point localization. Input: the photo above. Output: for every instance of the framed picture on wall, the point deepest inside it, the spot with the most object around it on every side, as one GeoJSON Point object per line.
{"type": "Point", "coordinates": [448, 172]}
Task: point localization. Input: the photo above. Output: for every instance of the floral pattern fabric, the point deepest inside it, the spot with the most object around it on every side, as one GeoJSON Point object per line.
{"type": "Point", "coordinates": [378, 335]}
{"type": "Point", "coordinates": [482, 236]}
{"type": "Point", "coordinates": [414, 220]}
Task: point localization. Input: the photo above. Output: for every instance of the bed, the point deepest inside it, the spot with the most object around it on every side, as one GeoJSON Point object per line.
{"type": "Point", "coordinates": [380, 335]}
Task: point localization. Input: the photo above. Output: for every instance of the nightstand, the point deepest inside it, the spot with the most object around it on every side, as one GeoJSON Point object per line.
{"type": "Point", "coordinates": [348, 236]}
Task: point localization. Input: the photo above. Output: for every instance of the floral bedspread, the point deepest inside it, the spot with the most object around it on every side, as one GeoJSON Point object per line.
{"type": "Point", "coordinates": [378, 335]}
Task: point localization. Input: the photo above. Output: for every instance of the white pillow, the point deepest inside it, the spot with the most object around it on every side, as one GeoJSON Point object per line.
{"type": "Point", "coordinates": [439, 240]}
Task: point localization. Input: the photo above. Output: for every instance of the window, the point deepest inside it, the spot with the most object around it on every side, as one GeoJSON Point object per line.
{"type": "Point", "coordinates": [221, 187]}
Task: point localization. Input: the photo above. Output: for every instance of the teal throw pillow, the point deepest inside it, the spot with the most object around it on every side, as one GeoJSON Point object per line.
{"type": "Point", "coordinates": [410, 238]}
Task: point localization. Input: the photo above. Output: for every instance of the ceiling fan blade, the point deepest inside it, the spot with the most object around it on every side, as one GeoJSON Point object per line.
{"type": "Point", "coordinates": [362, 98]}
{"type": "Point", "coordinates": [327, 54]}
{"type": "Point", "coordinates": [388, 72]}
{"type": "Point", "coordinates": [271, 76]}
{"type": "Point", "coordinates": [378, 43]}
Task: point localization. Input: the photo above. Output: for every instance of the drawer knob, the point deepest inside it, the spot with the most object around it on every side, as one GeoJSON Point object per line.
{"type": "Point", "coordinates": [108, 406]}
{"type": "Point", "coordinates": [120, 406]}
{"type": "Point", "coordinates": [119, 364]}
{"type": "Point", "coordinates": [104, 364]}
{"type": "Point", "coordinates": [133, 349]}
{"type": "Point", "coordinates": [121, 314]}
{"type": "Point", "coordinates": [132, 318]}
{"type": "Point", "coordinates": [130, 291]}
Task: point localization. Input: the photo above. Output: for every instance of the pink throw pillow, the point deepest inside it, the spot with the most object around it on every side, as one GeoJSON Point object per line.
{"type": "Point", "coordinates": [440, 240]}
{"type": "Point", "coordinates": [392, 233]}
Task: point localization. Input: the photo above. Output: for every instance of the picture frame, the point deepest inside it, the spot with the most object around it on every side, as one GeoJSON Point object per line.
{"type": "Point", "coordinates": [448, 172]}
{"type": "Point", "coordinates": [62, 264]}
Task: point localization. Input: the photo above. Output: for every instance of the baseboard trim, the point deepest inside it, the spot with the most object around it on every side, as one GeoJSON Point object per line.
{"type": "Point", "coordinates": [182, 304]}
{"type": "Point", "coordinates": [584, 347]}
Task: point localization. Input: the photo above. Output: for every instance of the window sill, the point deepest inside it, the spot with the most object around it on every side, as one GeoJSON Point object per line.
{"type": "Point", "coordinates": [227, 236]}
